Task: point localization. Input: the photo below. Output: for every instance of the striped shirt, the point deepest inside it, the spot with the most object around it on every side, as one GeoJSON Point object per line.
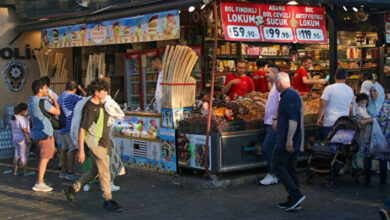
{"type": "Point", "coordinates": [67, 102]}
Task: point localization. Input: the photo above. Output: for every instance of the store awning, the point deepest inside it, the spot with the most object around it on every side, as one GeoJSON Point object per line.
{"type": "Point", "coordinates": [108, 14]}
{"type": "Point", "coordinates": [367, 3]}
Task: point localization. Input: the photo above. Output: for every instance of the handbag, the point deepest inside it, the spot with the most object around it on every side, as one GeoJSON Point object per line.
{"type": "Point", "coordinates": [56, 123]}
{"type": "Point", "coordinates": [378, 143]}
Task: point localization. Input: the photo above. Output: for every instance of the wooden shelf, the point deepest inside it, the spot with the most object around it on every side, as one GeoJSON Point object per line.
{"type": "Point", "coordinates": [267, 57]}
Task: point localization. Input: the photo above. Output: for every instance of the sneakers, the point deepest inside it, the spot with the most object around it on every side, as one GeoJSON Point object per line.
{"type": "Point", "coordinates": [269, 179]}
{"type": "Point", "coordinates": [71, 177]}
{"type": "Point", "coordinates": [384, 214]}
{"type": "Point", "coordinates": [41, 187]}
{"type": "Point", "coordinates": [114, 188]}
{"type": "Point", "coordinates": [86, 187]}
{"type": "Point", "coordinates": [62, 175]}
{"type": "Point", "coordinates": [31, 173]}
{"type": "Point", "coordinates": [70, 195]}
{"type": "Point", "coordinates": [284, 205]}
{"type": "Point", "coordinates": [344, 170]}
{"type": "Point", "coordinates": [294, 203]}
{"type": "Point", "coordinates": [112, 206]}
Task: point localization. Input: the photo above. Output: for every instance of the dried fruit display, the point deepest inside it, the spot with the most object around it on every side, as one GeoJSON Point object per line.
{"type": "Point", "coordinates": [311, 106]}
{"type": "Point", "coordinates": [218, 124]}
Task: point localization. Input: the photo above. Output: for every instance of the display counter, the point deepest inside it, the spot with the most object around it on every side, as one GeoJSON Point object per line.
{"type": "Point", "coordinates": [143, 144]}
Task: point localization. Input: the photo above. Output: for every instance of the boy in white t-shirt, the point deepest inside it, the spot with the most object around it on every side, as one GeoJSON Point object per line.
{"type": "Point", "coordinates": [335, 102]}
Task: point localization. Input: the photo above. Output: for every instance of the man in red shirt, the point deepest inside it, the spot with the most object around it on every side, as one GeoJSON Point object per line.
{"type": "Point", "coordinates": [259, 78]}
{"type": "Point", "coordinates": [238, 84]}
{"type": "Point", "coordinates": [302, 79]}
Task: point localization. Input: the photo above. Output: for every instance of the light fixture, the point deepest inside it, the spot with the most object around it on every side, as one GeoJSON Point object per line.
{"type": "Point", "coordinates": [43, 19]}
{"type": "Point", "coordinates": [202, 7]}
{"type": "Point", "coordinates": [355, 9]}
{"type": "Point", "coordinates": [292, 3]}
{"type": "Point", "coordinates": [191, 9]}
{"type": "Point", "coordinates": [345, 8]}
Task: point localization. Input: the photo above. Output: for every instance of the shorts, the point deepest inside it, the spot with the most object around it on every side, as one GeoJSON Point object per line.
{"type": "Point", "coordinates": [67, 142]}
{"type": "Point", "coordinates": [22, 150]}
{"type": "Point", "coordinates": [46, 147]}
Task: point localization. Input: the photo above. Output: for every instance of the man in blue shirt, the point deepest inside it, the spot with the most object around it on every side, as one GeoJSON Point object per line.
{"type": "Point", "coordinates": [67, 102]}
{"type": "Point", "coordinates": [289, 140]}
{"type": "Point", "coordinates": [42, 130]}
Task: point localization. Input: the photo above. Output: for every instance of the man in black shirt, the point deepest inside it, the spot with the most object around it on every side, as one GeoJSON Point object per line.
{"type": "Point", "coordinates": [289, 140]}
{"type": "Point", "coordinates": [94, 133]}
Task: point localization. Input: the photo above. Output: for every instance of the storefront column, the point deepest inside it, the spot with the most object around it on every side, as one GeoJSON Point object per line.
{"type": "Point", "coordinates": [331, 11]}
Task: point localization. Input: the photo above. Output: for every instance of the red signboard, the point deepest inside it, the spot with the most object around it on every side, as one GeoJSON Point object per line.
{"type": "Point", "coordinates": [273, 23]}
{"type": "Point", "coordinates": [387, 23]}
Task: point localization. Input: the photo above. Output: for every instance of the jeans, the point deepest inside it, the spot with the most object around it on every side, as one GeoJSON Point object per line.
{"type": "Point", "coordinates": [325, 132]}
{"type": "Point", "coordinates": [284, 165]}
{"type": "Point", "coordinates": [367, 170]}
{"type": "Point", "coordinates": [269, 145]}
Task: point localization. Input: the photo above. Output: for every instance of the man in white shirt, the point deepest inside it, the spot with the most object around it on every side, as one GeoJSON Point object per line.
{"type": "Point", "coordinates": [270, 136]}
{"type": "Point", "coordinates": [335, 102]}
{"type": "Point", "coordinates": [157, 66]}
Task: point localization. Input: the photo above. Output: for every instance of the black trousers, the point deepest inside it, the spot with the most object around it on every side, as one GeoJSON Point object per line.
{"type": "Point", "coordinates": [284, 165]}
{"type": "Point", "coordinates": [383, 170]}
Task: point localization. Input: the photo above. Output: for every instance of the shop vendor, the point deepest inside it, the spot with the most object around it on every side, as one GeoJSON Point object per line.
{"type": "Point", "coordinates": [238, 84]}
{"type": "Point", "coordinates": [302, 79]}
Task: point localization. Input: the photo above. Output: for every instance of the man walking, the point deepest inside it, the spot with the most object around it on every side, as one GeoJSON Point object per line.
{"type": "Point", "coordinates": [289, 140]}
{"type": "Point", "coordinates": [42, 130]}
{"type": "Point", "coordinates": [270, 136]}
{"type": "Point", "coordinates": [67, 102]}
{"type": "Point", "coordinates": [94, 133]}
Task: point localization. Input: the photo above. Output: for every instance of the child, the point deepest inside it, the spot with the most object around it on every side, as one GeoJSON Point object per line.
{"type": "Point", "coordinates": [362, 100]}
{"type": "Point", "coordinates": [21, 138]}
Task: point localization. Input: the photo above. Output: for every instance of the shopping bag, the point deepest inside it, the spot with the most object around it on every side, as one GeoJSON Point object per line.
{"type": "Point", "coordinates": [378, 142]}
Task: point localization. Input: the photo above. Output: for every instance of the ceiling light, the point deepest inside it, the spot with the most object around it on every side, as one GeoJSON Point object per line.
{"type": "Point", "coordinates": [191, 9]}
{"type": "Point", "coordinates": [345, 8]}
{"type": "Point", "coordinates": [292, 3]}
{"type": "Point", "coordinates": [44, 19]}
{"type": "Point", "coordinates": [355, 9]}
{"type": "Point", "coordinates": [202, 7]}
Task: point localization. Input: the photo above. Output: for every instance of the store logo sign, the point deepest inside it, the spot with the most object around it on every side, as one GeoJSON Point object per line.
{"type": "Point", "coordinates": [98, 34]}
{"type": "Point", "coordinates": [15, 74]}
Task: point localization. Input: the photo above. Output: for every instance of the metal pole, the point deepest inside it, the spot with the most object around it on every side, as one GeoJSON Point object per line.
{"type": "Point", "coordinates": [213, 62]}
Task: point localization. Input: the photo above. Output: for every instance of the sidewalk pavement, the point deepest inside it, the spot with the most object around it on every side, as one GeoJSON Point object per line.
{"type": "Point", "coordinates": [145, 195]}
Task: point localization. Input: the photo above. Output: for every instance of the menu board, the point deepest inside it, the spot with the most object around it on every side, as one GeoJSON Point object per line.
{"type": "Point", "coordinates": [387, 23]}
{"type": "Point", "coordinates": [243, 21]}
{"type": "Point", "coordinates": [149, 27]}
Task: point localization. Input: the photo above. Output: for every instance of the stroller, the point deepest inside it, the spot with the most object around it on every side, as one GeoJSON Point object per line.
{"type": "Point", "coordinates": [329, 156]}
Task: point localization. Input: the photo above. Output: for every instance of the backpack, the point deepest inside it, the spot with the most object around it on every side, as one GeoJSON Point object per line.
{"type": "Point", "coordinates": [56, 123]}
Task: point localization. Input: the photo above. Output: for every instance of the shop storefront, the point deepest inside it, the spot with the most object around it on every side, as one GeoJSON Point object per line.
{"type": "Point", "coordinates": [120, 50]}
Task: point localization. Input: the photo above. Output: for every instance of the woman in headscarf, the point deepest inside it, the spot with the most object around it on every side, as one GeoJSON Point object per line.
{"type": "Point", "coordinates": [379, 109]}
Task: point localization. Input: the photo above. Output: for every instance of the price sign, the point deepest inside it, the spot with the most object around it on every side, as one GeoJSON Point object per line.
{"type": "Point", "coordinates": [250, 21]}
{"type": "Point", "coordinates": [309, 34]}
{"type": "Point", "coordinates": [275, 33]}
{"type": "Point", "coordinates": [243, 32]}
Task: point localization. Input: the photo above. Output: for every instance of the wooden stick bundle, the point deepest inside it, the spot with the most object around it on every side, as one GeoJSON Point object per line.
{"type": "Point", "coordinates": [52, 64]}
{"type": "Point", "coordinates": [178, 64]}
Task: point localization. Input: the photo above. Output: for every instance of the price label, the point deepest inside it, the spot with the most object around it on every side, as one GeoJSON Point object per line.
{"type": "Point", "coordinates": [306, 34]}
{"type": "Point", "coordinates": [276, 33]}
{"type": "Point", "coordinates": [243, 32]}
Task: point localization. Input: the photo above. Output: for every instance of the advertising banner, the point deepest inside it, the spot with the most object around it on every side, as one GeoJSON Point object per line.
{"type": "Point", "coordinates": [190, 150]}
{"type": "Point", "coordinates": [150, 27]}
{"type": "Point", "coordinates": [131, 126]}
{"type": "Point", "coordinates": [273, 23]}
{"type": "Point", "coordinates": [387, 24]}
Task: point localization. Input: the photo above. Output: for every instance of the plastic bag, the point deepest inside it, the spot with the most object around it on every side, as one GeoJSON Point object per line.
{"type": "Point", "coordinates": [378, 142]}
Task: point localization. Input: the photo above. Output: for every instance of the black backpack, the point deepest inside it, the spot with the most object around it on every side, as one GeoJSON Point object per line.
{"type": "Point", "coordinates": [56, 123]}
